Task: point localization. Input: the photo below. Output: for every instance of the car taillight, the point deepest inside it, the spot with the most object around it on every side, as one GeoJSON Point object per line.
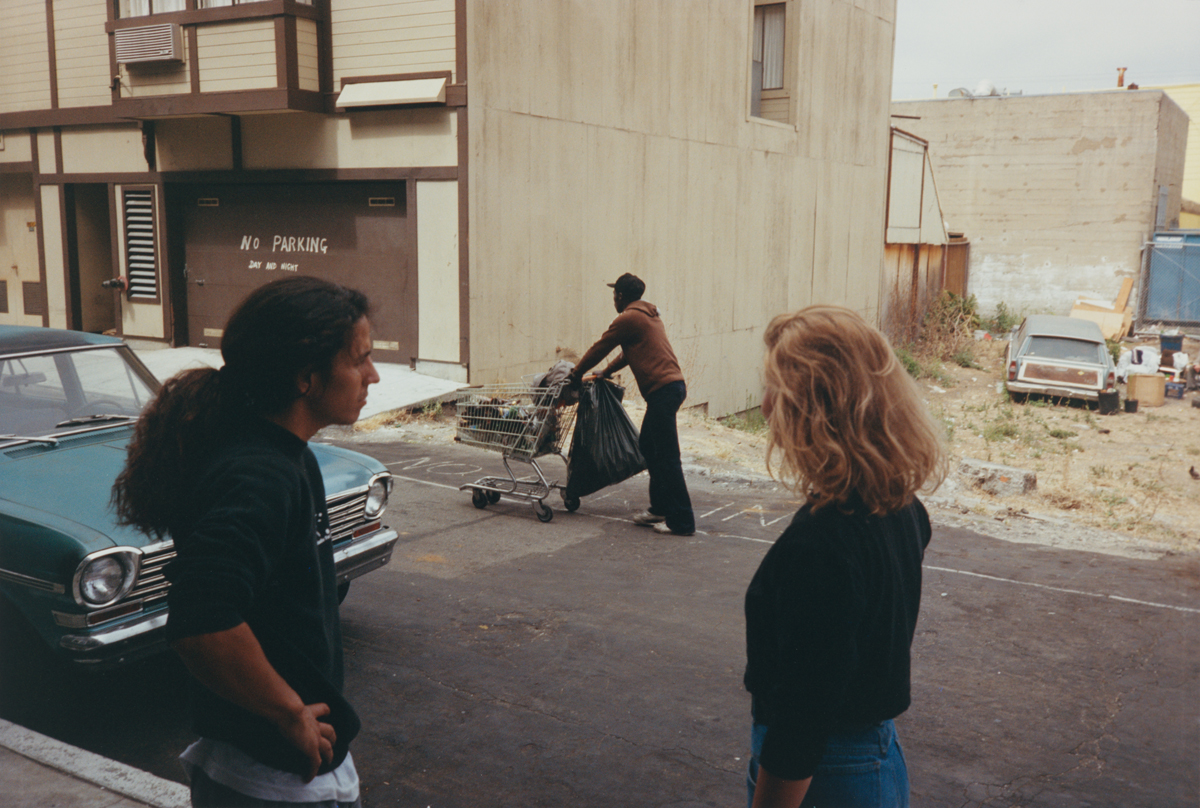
{"type": "Point", "coordinates": [1012, 371]}
{"type": "Point", "coordinates": [1111, 382]}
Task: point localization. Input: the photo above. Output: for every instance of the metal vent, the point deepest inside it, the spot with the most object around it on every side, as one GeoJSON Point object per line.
{"type": "Point", "coordinates": [140, 244]}
{"type": "Point", "coordinates": [149, 43]}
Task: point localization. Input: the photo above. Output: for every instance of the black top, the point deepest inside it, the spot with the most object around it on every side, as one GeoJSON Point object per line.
{"type": "Point", "coordinates": [255, 548]}
{"type": "Point", "coordinates": [830, 617]}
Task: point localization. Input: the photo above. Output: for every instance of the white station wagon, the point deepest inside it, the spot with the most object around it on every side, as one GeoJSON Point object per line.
{"type": "Point", "coordinates": [1061, 357]}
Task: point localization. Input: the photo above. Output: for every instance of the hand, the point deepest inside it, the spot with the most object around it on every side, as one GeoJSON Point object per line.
{"type": "Point", "coordinates": [591, 377]}
{"type": "Point", "coordinates": [314, 738]}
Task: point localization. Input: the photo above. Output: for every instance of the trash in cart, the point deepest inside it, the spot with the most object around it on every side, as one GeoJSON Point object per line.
{"type": "Point", "coordinates": [523, 422]}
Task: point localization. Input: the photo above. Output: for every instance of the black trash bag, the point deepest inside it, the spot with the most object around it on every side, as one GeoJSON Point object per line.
{"type": "Point", "coordinates": [604, 448]}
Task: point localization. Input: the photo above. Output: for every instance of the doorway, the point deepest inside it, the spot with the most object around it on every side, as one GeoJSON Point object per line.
{"type": "Point", "coordinates": [89, 259]}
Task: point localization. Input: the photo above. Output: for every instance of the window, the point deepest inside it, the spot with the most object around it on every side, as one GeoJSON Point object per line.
{"type": "Point", "coordinates": [769, 98]}
{"type": "Point", "coordinates": [143, 8]}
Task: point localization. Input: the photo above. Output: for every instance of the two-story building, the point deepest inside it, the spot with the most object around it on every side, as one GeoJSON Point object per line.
{"type": "Point", "coordinates": [481, 169]}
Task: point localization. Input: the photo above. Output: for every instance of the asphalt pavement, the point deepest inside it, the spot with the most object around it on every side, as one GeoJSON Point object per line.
{"type": "Point", "coordinates": [501, 661]}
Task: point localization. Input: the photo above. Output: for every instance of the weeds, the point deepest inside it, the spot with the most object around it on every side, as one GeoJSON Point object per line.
{"type": "Point", "coordinates": [1003, 320]}
{"type": "Point", "coordinates": [750, 420]}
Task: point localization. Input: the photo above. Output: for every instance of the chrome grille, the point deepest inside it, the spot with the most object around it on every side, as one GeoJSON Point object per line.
{"type": "Point", "coordinates": [346, 515]}
{"type": "Point", "coordinates": [151, 585]}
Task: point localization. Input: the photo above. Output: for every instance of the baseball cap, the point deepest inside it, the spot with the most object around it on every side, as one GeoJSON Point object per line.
{"type": "Point", "coordinates": [630, 286]}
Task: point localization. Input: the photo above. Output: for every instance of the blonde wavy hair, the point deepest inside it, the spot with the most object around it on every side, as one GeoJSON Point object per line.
{"type": "Point", "coordinates": [844, 414]}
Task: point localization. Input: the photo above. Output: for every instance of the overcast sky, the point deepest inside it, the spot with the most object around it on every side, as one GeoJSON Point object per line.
{"type": "Point", "coordinates": [1043, 46]}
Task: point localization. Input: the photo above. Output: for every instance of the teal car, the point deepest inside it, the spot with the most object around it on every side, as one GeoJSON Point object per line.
{"type": "Point", "coordinates": [94, 591]}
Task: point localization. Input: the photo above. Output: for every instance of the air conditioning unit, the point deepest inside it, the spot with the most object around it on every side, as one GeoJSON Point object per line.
{"type": "Point", "coordinates": [149, 43]}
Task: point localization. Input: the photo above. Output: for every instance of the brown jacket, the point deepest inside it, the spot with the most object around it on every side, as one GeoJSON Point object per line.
{"type": "Point", "coordinates": [640, 333]}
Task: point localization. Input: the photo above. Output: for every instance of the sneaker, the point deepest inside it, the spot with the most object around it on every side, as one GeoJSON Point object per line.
{"type": "Point", "coordinates": [647, 518]}
{"type": "Point", "coordinates": [661, 527]}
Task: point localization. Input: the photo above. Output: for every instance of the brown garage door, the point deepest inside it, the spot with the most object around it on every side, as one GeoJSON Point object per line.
{"type": "Point", "coordinates": [238, 237]}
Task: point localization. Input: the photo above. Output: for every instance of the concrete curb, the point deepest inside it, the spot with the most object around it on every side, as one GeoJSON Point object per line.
{"type": "Point", "coordinates": [109, 774]}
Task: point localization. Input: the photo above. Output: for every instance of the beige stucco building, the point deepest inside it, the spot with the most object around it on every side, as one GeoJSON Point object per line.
{"type": "Point", "coordinates": [1056, 193]}
{"type": "Point", "coordinates": [480, 168]}
{"type": "Point", "coordinates": [1187, 96]}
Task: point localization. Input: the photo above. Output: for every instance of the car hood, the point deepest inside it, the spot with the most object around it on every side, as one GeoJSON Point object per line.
{"type": "Point", "coordinates": [67, 487]}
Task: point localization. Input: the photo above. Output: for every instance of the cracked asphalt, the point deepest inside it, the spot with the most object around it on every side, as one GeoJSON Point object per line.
{"type": "Point", "coordinates": [504, 662]}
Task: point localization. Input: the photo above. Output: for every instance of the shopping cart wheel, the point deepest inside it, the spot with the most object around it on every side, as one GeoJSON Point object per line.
{"type": "Point", "coordinates": [570, 503]}
{"type": "Point", "coordinates": [493, 497]}
{"type": "Point", "coordinates": [479, 498]}
{"type": "Point", "coordinates": [544, 514]}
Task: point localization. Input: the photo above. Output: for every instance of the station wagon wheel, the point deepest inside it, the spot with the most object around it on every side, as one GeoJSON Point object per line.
{"type": "Point", "coordinates": [544, 514]}
{"type": "Point", "coordinates": [493, 497]}
{"type": "Point", "coordinates": [479, 498]}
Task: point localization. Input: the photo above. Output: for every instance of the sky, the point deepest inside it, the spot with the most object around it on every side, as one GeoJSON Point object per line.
{"type": "Point", "coordinates": [1043, 46]}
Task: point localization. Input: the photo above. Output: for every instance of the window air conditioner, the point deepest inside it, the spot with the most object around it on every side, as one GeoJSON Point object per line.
{"type": "Point", "coordinates": [149, 43]}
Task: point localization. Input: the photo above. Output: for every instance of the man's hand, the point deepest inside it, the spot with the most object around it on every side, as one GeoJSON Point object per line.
{"type": "Point", "coordinates": [232, 664]}
{"type": "Point", "coordinates": [591, 377]}
{"type": "Point", "coordinates": [311, 736]}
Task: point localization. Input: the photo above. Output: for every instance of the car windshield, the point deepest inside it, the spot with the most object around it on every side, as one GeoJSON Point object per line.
{"type": "Point", "coordinates": [43, 393]}
{"type": "Point", "coordinates": [1064, 349]}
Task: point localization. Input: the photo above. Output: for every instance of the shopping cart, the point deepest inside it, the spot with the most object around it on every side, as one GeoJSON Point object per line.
{"type": "Point", "coordinates": [523, 423]}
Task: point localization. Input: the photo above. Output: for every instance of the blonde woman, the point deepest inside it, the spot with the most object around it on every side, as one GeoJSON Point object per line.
{"type": "Point", "coordinates": [831, 611]}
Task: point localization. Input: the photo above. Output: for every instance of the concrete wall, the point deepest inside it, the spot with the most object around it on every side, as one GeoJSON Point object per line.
{"type": "Point", "coordinates": [603, 139]}
{"type": "Point", "coordinates": [1057, 193]}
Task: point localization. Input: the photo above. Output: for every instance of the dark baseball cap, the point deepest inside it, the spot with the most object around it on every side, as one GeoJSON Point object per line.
{"type": "Point", "coordinates": [630, 286]}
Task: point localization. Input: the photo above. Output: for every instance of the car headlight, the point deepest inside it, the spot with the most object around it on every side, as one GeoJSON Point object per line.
{"type": "Point", "coordinates": [105, 577]}
{"type": "Point", "coordinates": [377, 495]}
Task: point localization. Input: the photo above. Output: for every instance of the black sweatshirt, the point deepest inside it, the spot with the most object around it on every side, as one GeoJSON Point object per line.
{"type": "Point", "coordinates": [255, 548]}
{"type": "Point", "coordinates": [830, 617]}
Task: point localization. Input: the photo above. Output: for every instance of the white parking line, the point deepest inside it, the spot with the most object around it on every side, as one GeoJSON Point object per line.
{"type": "Point", "coordinates": [1098, 595]}
{"type": "Point", "coordinates": [1047, 587]}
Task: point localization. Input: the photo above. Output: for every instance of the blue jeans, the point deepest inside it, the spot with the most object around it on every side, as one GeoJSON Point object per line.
{"type": "Point", "coordinates": [864, 768]}
{"type": "Point", "coordinates": [659, 442]}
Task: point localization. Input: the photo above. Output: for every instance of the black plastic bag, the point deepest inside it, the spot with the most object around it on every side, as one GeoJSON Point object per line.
{"type": "Point", "coordinates": [604, 448]}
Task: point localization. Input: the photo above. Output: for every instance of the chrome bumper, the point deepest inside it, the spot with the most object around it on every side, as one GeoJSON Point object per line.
{"type": "Point", "coordinates": [120, 643]}
{"type": "Point", "coordinates": [364, 554]}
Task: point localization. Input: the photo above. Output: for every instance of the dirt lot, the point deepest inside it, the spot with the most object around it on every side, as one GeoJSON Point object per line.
{"type": "Point", "coordinates": [1114, 483]}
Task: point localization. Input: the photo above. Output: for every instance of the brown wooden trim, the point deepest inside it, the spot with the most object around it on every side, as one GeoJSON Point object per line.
{"type": "Point", "coordinates": [325, 45]}
{"type": "Point", "coordinates": [281, 53]}
{"type": "Point", "coordinates": [432, 74]}
{"type": "Point", "coordinates": [193, 55]}
{"type": "Point", "coordinates": [162, 256]}
{"type": "Point", "coordinates": [412, 248]}
{"type": "Point", "coordinates": [209, 16]}
{"type": "Point", "coordinates": [58, 150]}
{"type": "Point", "coordinates": [276, 99]}
{"type": "Point", "coordinates": [35, 158]}
{"type": "Point", "coordinates": [18, 168]}
{"type": "Point", "coordinates": [114, 237]}
{"type": "Point", "coordinates": [66, 116]}
{"type": "Point", "coordinates": [70, 246]}
{"type": "Point", "coordinates": [141, 177]}
{"type": "Point", "coordinates": [295, 175]}
{"type": "Point", "coordinates": [464, 244]}
{"type": "Point", "coordinates": [41, 243]}
{"type": "Point", "coordinates": [52, 54]}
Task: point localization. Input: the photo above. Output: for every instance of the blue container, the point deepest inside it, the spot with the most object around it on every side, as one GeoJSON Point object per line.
{"type": "Point", "coordinates": [1170, 343]}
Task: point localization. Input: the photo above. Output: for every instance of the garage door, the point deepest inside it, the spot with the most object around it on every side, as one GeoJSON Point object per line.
{"type": "Point", "coordinates": [239, 237]}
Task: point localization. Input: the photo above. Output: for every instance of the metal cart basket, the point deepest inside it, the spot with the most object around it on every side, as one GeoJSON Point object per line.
{"type": "Point", "coordinates": [523, 423]}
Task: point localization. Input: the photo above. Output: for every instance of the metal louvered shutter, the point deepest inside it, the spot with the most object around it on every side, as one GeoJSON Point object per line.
{"type": "Point", "coordinates": [139, 244]}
